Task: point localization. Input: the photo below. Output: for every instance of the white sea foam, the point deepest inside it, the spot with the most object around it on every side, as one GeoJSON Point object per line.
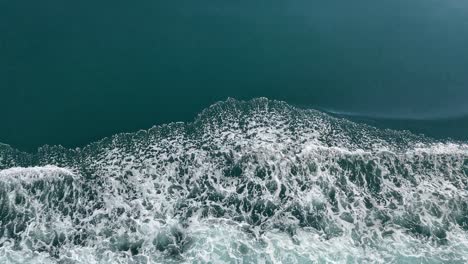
{"type": "Point", "coordinates": [248, 182]}
{"type": "Point", "coordinates": [30, 174]}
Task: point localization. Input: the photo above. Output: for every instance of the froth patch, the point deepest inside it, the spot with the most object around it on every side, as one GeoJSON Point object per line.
{"type": "Point", "coordinates": [442, 149]}
{"type": "Point", "coordinates": [34, 173]}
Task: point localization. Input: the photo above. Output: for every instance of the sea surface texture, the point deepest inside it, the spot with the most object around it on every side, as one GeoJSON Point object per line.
{"type": "Point", "coordinates": [254, 181]}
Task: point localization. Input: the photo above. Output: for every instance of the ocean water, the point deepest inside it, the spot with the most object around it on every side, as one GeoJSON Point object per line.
{"type": "Point", "coordinates": [73, 73]}
{"type": "Point", "coordinates": [256, 181]}
{"type": "Point", "coordinates": [378, 173]}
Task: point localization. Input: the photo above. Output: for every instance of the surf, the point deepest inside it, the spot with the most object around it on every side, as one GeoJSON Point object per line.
{"type": "Point", "coordinates": [255, 181]}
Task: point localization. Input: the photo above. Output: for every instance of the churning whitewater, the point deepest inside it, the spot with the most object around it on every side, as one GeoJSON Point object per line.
{"type": "Point", "coordinates": [246, 182]}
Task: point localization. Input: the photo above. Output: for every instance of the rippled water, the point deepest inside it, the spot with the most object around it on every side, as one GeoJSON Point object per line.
{"type": "Point", "coordinates": [246, 182]}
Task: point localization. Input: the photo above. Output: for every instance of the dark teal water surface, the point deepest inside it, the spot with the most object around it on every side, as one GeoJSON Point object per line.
{"type": "Point", "coordinates": [75, 71]}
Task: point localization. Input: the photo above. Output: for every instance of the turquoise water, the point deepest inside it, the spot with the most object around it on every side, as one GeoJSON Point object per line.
{"type": "Point", "coordinates": [72, 73]}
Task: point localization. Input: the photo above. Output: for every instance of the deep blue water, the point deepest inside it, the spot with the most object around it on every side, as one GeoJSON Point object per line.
{"type": "Point", "coordinates": [75, 72]}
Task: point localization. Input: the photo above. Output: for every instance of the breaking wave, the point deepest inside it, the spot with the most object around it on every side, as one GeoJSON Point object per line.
{"type": "Point", "coordinates": [246, 182]}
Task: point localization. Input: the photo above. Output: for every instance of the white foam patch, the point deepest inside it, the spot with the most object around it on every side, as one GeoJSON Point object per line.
{"type": "Point", "coordinates": [34, 173]}
{"type": "Point", "coordinates": [442, 148]}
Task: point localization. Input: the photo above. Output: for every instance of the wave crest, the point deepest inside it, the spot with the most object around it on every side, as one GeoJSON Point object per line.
{"type": "Point", "coordinates": [245, 182]}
